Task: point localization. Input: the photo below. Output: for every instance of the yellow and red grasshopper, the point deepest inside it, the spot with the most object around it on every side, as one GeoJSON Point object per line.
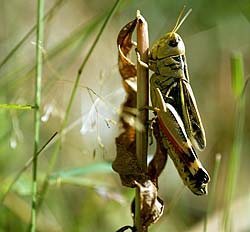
{"type": "Point", "coordinates": [180, 124]}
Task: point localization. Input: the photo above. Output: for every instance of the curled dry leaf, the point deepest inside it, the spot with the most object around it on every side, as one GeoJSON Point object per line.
{"type": "Point", "coordinates": [151, 205]}
{"type": "Point", "coordinates": [124, 42]}
{"type": "Point", "coordinates": [126, 162]}
{"type": "Point", "coordinates": [128, 72]}
{"type": "Point", "coordinates": [126, 67]}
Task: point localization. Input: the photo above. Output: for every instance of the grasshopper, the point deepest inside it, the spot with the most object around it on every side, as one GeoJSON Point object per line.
{"type": "Point", "coordinates": [179, 120]}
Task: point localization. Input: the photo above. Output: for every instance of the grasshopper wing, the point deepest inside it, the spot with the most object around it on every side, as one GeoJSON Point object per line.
{"type": "Point", "coordinates": [191, 117]}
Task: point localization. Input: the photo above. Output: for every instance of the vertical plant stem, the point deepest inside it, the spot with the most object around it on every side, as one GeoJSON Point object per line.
{"type": "Point", "coordinates": [142, 101]}
{"type": "Point", "coordinates": [234, 159]}
{"type": "Point", "coordinates": [38, 81]}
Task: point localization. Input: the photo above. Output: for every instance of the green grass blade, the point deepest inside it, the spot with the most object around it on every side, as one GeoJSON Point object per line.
{"type": "Point", "coordinates": [237, 74]}
{"type": "Point", "coordinates": [80, 35]}
{"type": "Point", "coordinates": [79, 181]}
{"type": "Point", "coordinates": [38, 88]}
{"type": "Point", "coordinates": [16, 106]}
{"type": "Point", "coordinates": [29, 33]}
{"type": "Point", "coordinates": [93, 168]}
{"type": "Point", "coordinates": [234, 159]}
{"type": "Point", "coordinates": [27, 164]}
{"type": "Point", "coordinates": [78, 76]}
{"type": "Point", "coordinates": [71, 45]}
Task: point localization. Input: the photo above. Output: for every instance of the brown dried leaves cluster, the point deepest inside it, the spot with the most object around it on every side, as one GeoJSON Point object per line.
{"type": "Point", "coordinates": [126, 164]}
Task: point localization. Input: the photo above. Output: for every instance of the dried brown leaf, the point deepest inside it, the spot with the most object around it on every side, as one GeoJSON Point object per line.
{"type": "Point", "coordinates": [124, 43]}
{"type": "Point", "coordinates": [126, 163]}
{"type": "Point", "coordinates": [151, 205]}
{"type": "Point", "coordinates": [127, 70]}
{"type": "Point", "coordinates": [124, 39]}
{"type": "Point", "coordinates": [126, 114]}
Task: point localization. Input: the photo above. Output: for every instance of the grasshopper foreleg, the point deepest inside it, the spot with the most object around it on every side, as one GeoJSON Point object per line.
{"type": "Point", "coordinates": [142, 63]}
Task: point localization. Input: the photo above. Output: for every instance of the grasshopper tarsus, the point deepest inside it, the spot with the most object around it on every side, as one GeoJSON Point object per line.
{"type": "Point", "coordinates": [147, 108]}
{"type": "Point", "coordinates": [142, 63]}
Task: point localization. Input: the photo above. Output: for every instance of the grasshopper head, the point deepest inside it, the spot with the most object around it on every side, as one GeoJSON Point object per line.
{"type": "Point", "coordinates": [170, 44]}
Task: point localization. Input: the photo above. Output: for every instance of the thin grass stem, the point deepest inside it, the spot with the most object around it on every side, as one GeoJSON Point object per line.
{"type": "Point", "coordinates": [25, 167]}
{"type": "Point", "coordinates": [234, 159]}
{"type": "Point", "coordinates": [38, 87]}
{"type": "Point", "coordinates": [29, 33]}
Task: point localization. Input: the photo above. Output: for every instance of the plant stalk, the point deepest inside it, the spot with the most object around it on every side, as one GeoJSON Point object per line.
{"type": "Point", "coordinates": [38, 81]}
{"type": "Point", "coordinates": [142, 101]}
{"type": "Point", "coordinates": [234, 159]}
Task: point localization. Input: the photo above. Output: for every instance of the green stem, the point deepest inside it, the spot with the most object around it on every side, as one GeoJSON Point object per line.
{"type": "Point", "coordinates": [39, 63]}
{"type": "Point", "coordinates": [234, 159]}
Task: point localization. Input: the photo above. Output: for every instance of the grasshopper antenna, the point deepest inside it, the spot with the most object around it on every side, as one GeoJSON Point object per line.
{"type": "Point", "coordinates": [180, 21]}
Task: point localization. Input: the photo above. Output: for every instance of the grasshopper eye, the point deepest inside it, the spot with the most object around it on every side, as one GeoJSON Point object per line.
{"type": "Point", "coordinates": [173, 43]}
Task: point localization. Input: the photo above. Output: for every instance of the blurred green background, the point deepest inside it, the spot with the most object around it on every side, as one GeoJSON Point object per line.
{"type": "Point", "coordinates": [84, 193]}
